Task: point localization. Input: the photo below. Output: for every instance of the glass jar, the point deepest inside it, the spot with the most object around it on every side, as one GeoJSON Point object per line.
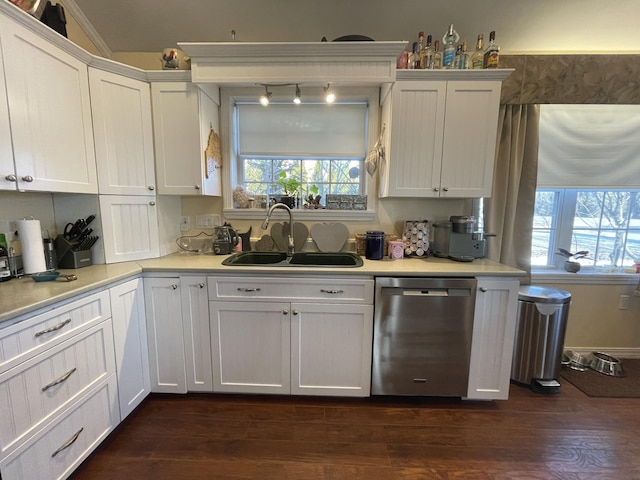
{"type": "Point", "coordinates": [374, 245]}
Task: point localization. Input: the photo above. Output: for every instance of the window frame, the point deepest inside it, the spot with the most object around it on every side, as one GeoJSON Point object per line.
{"type": "Point", "coordinates": [230, 95]}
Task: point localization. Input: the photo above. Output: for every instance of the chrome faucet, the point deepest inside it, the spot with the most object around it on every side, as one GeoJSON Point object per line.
{"type": "Point", "coordinates": [265, 224]}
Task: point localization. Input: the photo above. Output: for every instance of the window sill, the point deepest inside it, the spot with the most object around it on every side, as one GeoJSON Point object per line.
{"type": "Point", "coordinates": [302, 214]}
{"type": "Point", "coordinates": [584, 277]}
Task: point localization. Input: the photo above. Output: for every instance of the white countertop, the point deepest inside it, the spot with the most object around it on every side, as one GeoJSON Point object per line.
{"type": "Point", "coordinates": [21, 296]}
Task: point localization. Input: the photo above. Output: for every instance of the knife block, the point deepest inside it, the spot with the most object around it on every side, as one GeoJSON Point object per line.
{"type": "Point", "coordinates": [68, 258]}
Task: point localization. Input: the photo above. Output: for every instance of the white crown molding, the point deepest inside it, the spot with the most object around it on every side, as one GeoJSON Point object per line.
{"type": "Point", "coordinates": [87, 27]}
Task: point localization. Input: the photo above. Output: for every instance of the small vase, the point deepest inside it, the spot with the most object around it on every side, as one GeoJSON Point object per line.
{"type": "Point", "coordinates": [288, 201]}
{"type": "Point", "coordinates": [573, 267]}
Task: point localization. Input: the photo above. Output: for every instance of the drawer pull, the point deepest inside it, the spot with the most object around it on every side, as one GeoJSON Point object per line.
{"type": "Point", "coordinates": [174, 287]}
{"type": "Point", "coordinates": [484, 289]}
{"type": "Point", "coordinates": [68, 443]}
{"type": "Point", "coordinates": [201, 285]}
{"type": "Point", "coordinates": [248, 289]}
{"type": "Point", "coordinates": [59, 380]}
{"type": "Point", "coordinates": [332, 292]}
{"type": "Point", "coordinates": [54, 328]}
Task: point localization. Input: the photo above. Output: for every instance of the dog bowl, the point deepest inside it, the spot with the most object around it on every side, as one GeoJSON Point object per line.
{"type": "Point", "coordinates": [606, 364]}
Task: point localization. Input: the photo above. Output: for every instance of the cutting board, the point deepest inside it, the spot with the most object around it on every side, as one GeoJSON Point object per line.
{"type": "Point", "coordinates": [329, 237]}
{"type": "Point", "coordinates": [280, 232]}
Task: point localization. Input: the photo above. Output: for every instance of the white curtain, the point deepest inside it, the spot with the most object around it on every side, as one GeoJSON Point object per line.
{"type": "Point", "coordinates": [509, 211]}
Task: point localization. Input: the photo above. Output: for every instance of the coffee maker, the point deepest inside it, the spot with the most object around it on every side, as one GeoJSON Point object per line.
{"type": "Point", "coordinates": [458, 240]}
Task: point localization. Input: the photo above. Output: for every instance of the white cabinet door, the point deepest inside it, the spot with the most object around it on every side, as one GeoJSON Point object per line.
{"type": "Point", "coordinates": [493, 338]}
{"type": "Point", "coordinates": [441, 135]}
{"type": "Point", "coordinates": [129, 227]}
{"type": "Point", "coordinates": [50, 114]}
{"type": "Point", "coordinates": [331, 349]}
{"type": "Point", "coordinates": [164, 335]}
{"type": "Point", "coordinates": [130, 342]}
{"type": "Point", "coordinates": [123, 133]}
{"type": "Point", "coordinates": [183, 116]}
{"type": "Point", "coordinates": [469, 145]}
{"type": "Point", "coordinates": [414, 115]}
{"type": "Point", "coordinates": [250, 343]}
{"type": "Point", "coordinates": [197, 337]}
{"type": "Point", "coordinates": [8, 180]}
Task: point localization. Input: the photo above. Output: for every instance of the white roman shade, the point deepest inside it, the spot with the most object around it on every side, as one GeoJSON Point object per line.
{"type": "Point", "coordinates": [589, 146]}
{"type": "Point", "coordinates": [319, 130]}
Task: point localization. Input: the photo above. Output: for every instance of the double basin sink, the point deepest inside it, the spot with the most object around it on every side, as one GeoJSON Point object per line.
{"type": "Point", "coordinates": [302, 259]}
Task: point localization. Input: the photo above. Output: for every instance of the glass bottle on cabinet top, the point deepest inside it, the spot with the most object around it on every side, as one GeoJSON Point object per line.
{"type": "Point", "coordinates": [436, 64]}
{"type": "Point", "coordinates": [477, 58]}
{"type": "Point", "coordinates": [450, 39]}
{"type": "Point", "coordinates": [428, 54]}
{"type": "Point", "coordinates": [492, 54]}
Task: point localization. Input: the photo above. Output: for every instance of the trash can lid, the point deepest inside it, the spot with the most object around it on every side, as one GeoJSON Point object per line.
{"type": "Point", "coordinates": [532, 293]}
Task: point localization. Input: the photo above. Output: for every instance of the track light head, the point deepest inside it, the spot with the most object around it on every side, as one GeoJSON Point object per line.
{"type": "Point", "coordinates": [297, 99]}
{"type": "Point", "coordinates": [265, 99]}
{"type": "Point", "coordinates": [329, 95]}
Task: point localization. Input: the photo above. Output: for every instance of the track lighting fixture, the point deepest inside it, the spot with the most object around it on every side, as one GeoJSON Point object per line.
{"type": "Point", "coordinates": [329, 96]}
{"type": "Point", "coordinates": [297, 100]}
{"type": "Point", "coordinates": [264, 99]}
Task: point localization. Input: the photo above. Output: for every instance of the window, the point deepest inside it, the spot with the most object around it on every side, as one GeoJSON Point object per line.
{"type": "Point", "coordinates": [606, 223]}
{"type": "Point", "coordinates": [317, 149]}
{"type": "Point", "coordinates": [588, 195]}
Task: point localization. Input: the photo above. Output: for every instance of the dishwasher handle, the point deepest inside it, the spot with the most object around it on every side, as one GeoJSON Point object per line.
{"type": "Point", "coordinates": [430, 292]}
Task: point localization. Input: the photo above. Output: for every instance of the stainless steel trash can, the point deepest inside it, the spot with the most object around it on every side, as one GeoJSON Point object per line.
{"type": "Point", "coordinates": [540, 328]}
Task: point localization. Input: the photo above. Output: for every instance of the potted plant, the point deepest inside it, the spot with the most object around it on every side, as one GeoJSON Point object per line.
{"type": "Point", "coordinates": [571, 263]}
{"type": "Point", "coordinates": [291, 187]}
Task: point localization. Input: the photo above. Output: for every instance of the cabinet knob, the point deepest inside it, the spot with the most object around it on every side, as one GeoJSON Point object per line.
{"type": "Point", "coordinates": [436, 189]}
{"type": "Point", "coordinates": [484, 289]}
{"type": "Point", "coordinates": [151, 187]}
{"type": "Point", "coordinates": [295, 312]}
{"type": "Point", "coordinates": [27, 178]}
{"type": "Point", "coordinates": [285, 312]}
{"type": "Point", "coordinates": [11, 178]}
{"type": "Point", "coordinates": [174, 287]}
{"type": "Point", "coordinates": [446, 189]}
{"type": "Point", "coordinates": [197, 187]}
{"type": "Point", "coordinates": [152, 203]}
{"type": "Point", "coordinates": [201, 285]}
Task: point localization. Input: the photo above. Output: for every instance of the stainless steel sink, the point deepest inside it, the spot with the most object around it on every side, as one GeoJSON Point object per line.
{"type": "Point", "coordinates": [299, 259]}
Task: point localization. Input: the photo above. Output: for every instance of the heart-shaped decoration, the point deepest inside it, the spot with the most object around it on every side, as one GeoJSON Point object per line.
{"type": "Point", "coordinates": [280, 233]}
{"type": "Point", "coordinates": [265, 244]}
{"type": "Point", "coordinates": [329, 237]}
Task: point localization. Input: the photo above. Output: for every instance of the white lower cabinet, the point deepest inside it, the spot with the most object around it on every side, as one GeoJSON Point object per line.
{"type": "Point", "coordinates": [56, 451]}
{"type": "Point", "coordinates": [130, 344]}
{"type": "Point", "coordinates": [165, 335]}
{"type": "Point", "coordinates": [493, 338]}
{"type": "Point", "coordinates": [331, 349]}
{"type": "Point", "coordinates": [197, 339]}
{"type": "Point", "coordinates": [309, 336]}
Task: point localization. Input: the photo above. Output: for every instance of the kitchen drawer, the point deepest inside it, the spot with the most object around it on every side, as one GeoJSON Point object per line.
{"type": "Point", "coordinates": [36, 390]}
{"type": "Point", "coordinates": [26, 338]}
{"type": "Point", "coordinates": [278, 288]}
{"type": "Point", "coordinates": [55, 451]}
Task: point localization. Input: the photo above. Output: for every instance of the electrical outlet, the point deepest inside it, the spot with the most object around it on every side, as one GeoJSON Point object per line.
{"type": "Point", "coordinates": [185, 223]}
{"type": "Point", "coordinates": [623, 304]}
{"type": "Point", "coordinates": [208, 221]}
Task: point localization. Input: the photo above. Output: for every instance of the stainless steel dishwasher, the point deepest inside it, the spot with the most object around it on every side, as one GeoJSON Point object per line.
{"type": "Point", "coordinates": [422, 336]}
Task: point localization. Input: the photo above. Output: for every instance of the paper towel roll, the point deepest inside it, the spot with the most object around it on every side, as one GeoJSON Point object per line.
{"type": "Point", "coordinates": [30, 236]}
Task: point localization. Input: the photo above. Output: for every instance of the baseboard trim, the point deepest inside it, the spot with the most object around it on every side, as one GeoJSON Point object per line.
{"type": "Point", "coordinates": [614, 352]}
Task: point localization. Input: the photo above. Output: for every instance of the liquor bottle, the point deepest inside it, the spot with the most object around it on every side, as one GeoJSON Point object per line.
{"type": "Point", "coordinates": [449, 52]}
{"type": "Point", "coordinates": [428, 53]}
{"type": "Point", "coordinates": [420, 51]}
{"type": "Point", "coordinates": [462, 58]}
{"type": "Point", "coordinates": [413, 56]}
{"type": "Point", "coordinates": [437, 56]}
{"type": "Point", "coordinates": [492, 53]}
{"type": "Point", "coordinates": [477, 59]}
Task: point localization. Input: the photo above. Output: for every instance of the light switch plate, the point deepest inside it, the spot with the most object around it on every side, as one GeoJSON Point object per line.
{"type": "Point", "coordinates": [185, 223]}
{"type": "Point", "coordinates": [208, 221]}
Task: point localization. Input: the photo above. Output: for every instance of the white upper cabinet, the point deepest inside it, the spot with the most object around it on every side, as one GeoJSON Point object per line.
{"type": "Point", "coordinates": [183, 117]}
{"type": "Point", "coordinates": [7, 170]}
{"type": "Point", "coordinates": [123, 133]}
{"type": "Point", "coordinates": [50, 113]}
{"type": "Point", "coordinates": [440, 135]}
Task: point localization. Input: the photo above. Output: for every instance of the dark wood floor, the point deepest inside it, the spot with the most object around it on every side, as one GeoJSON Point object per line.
{"type": "Point", "coordinates": [567, 436]}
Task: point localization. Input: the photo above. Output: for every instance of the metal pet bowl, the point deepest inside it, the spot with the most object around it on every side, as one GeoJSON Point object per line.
{"type": "Point", "coordinates": [606, 364]}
